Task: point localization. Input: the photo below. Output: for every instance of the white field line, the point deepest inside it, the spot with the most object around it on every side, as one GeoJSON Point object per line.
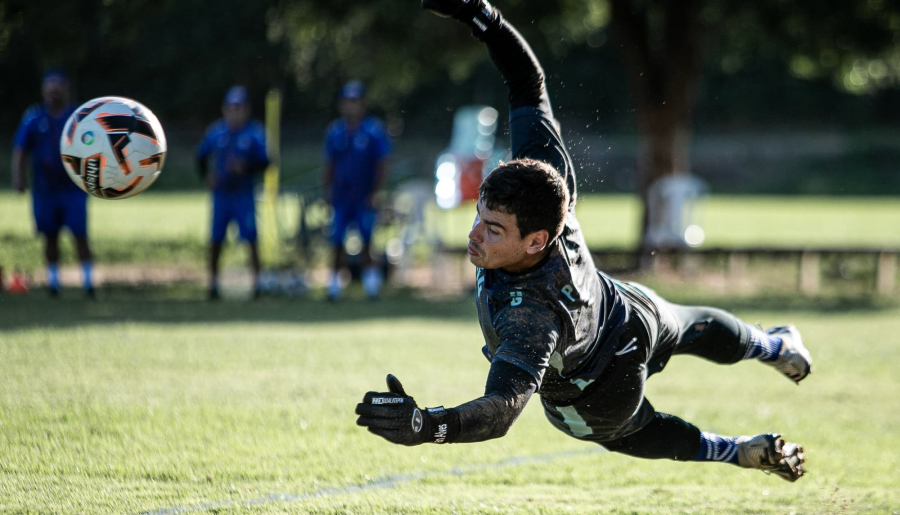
{"type": "Point", "coordinates": [378, 483]}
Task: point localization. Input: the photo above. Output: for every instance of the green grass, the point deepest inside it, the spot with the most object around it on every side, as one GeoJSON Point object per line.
{"type": "Point", "coordinates": [172, 228]}
{"type": "Point", "coordinates": [151, 228]}
{"type": "Point", "coordinates": [613, 221]}
{"type": "Point", "coordinates": [151, 399]}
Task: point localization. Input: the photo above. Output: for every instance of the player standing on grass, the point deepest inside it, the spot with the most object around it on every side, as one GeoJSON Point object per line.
{"type": "Point", "coordinates": [356, 150]}
{"type": "Point", "coordinates": [554, 325]}
{"type": "Point", "coordinates": [238, 145]}
{"type": "Point", "coordinates": [56, 200]}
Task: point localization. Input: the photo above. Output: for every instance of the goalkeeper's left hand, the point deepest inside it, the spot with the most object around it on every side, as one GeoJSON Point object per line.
{"type": "Point", "coordinates": [394, 416]}
{"type": "Point", "coordinates": [480, 15]}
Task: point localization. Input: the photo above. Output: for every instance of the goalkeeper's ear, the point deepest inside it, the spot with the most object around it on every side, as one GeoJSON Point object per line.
{"type": "Point", "coordinates": [394, 386]}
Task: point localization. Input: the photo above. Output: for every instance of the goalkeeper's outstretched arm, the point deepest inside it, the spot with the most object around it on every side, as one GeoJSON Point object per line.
{"type": "Point", "coordinates": [395, 415]}
{"type": "Point", "coordinates": [490, 416]}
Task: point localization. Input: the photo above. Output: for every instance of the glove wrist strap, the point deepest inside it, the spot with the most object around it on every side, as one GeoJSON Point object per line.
{"type": "Point", "coordinates": [480, 16]}
{"type": "Point", "coordinates": [444, 425]}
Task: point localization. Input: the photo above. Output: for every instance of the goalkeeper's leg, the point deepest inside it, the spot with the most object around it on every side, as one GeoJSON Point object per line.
{"type": "Point", "coordinates": [723, 338]}
{"type": "Point", "coordinates": [669, 437]}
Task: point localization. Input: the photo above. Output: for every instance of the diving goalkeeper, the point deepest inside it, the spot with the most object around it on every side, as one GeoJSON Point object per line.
{"type": "Point", "coordinates": [554, 325]}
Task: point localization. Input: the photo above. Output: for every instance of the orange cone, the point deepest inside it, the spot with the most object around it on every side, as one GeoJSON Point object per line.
{"type": "Point", "coordinates": [18, 284]}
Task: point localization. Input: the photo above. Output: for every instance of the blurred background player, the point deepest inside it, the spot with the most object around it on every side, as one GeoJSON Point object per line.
{"type": "Point", "coordinates": [239, 149]}
{"type": "Point", "coordinates": [57, 201]}
{"type": "Point", "coordinates": [356, 150]}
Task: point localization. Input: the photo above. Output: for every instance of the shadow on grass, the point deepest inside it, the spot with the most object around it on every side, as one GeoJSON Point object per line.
{"type": "Point", "coordinates": [187, 305]}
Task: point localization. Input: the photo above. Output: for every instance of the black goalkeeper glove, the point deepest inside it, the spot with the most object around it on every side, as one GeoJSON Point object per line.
{"type": "Point", "coordinates": [480, 15]}
{"type": "Point", "coordinates": [394, 416]}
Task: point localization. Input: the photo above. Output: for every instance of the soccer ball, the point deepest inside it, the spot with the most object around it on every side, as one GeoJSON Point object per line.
{"type": "Point", "coordinates": [113, 147]}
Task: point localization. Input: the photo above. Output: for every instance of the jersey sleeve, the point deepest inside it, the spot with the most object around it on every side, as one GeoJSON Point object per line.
{"type": "Point", "coordinates": [24, 138]}
{"type": "Point", "coordinates": [534, 133]}
{"type": "Point", "coordinates": [529, 333]}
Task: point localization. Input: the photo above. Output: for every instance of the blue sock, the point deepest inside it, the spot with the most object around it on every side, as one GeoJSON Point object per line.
{"type": "Point", "coordinates": [86, 269]}
{"type": "Point", "coordinates": [763, 347]}
{"type": "Point", "coordinates": [53, 276]}
{"type": "Point", "coordinates": [717, 448]}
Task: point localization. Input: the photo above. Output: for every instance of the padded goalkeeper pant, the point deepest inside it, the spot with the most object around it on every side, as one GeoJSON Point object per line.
{"type": "Point", "coordinates": [613, 410]}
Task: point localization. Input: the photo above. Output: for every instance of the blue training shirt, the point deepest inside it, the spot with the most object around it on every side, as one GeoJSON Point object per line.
{"type": "Point", "coordinates": [355, 155]}
{"type": "Point", "coordinates": [39, 134]}
{"type": "Point", "coordinates": [247, 143]}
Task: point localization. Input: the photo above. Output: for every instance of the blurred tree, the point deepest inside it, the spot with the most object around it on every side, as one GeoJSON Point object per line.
{"type": "Point", "coordinates": [178, 57]}
{"type": "Point", "coordinates": [388, 44]}
{"type": "Point", "coordinates": [664, 44]}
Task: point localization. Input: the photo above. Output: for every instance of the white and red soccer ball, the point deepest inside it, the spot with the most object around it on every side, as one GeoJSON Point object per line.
{"type": "Point", "coordinates": [113, 147]}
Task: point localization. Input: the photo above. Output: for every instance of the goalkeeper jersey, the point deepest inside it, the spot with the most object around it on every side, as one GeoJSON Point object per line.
{"type": "Point", "coordinates": [558, 320]}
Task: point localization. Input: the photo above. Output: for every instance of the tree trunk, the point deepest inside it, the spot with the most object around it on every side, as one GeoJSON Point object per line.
{"type": "Point", "coordinates": [660, 41]}
{"type": "Point", "coordinates": [664, 150]}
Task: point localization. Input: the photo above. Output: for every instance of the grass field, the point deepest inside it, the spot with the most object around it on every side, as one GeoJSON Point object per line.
{"type": "Point", "coordinates": [613, 221]}
{"type": "Point", "coordinates": [172, 228]}
{"type": "Point", "coordinates": [151, 402]}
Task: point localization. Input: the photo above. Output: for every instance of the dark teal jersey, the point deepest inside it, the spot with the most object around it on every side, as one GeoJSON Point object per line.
{"type": "Point", "coordinates": [558, 320]}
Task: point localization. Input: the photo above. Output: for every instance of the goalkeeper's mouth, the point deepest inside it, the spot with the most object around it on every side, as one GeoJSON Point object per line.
{"type": "Point", "coordinates": [473, 249]}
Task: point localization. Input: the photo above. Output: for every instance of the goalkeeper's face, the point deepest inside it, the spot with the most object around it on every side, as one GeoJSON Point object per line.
{"type": "Point", "coordinates": [495, 241]}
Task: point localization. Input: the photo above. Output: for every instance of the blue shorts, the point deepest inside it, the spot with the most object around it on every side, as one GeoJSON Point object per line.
{"type": "Point", "coordinates": [360, 214]}
{"type": "Point", "coordinates": [239, 207]}
{"type": "Point", "coordinates": [54, 210]}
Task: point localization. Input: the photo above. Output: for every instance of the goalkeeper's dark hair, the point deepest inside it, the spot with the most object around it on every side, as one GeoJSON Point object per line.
{"type": "Point", "coordinates": [532, 190]}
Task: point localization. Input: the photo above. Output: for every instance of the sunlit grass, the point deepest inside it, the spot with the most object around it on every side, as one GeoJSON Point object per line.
{"type": "Point", "coordinates": [143, 402]}
{"type": "Point", "coordinates": [173, 228]}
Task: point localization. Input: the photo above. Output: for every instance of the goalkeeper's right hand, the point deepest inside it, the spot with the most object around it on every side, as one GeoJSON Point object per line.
{"type": "Point", "coordinates": [394, 416]}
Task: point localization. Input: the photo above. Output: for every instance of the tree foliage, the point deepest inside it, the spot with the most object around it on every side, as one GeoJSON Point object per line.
{"type": "Point", "coordinates": [175, 55]}
{"type": "Point", "coordinates": [179, 55]}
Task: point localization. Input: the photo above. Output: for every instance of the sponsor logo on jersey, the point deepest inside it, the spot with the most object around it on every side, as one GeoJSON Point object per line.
{"type": "Point", "coordinates": [567, 291]}
{"type": "Point", "coordinates": [387, 400]}
{"type": "Point", "coordinates": [516, 298]}
{"type": "Point", "coordinates": [417, 420]}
